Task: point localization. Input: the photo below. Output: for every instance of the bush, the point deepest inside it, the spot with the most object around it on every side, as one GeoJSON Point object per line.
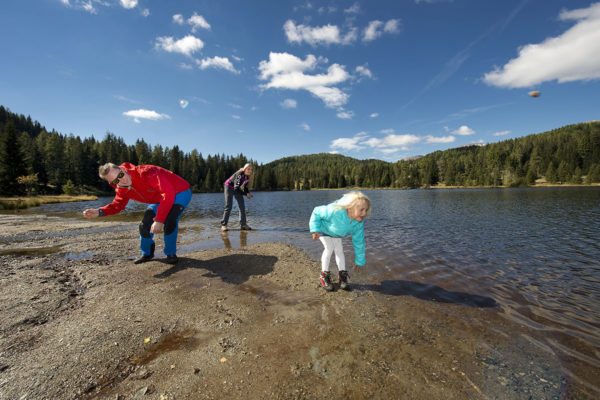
{"type": "Point", "coordinates": [69, 188]}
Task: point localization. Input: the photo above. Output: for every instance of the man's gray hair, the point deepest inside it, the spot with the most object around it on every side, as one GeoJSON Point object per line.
{"type": "Point", "coordinates": [105, 169]}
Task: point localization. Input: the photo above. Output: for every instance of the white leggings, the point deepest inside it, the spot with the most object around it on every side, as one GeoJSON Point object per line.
{"type": "Point", "coordinates": [332, 245]}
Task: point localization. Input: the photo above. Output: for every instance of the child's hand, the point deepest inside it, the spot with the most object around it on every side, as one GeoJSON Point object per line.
{"type": "Point", "coordinates": [315, 235]}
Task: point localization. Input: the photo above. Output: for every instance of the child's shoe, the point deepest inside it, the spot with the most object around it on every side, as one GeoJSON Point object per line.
{"type": "Point", "coordinates": [325, 280]}
{"type": "Point", "coordinates": [344, 280]}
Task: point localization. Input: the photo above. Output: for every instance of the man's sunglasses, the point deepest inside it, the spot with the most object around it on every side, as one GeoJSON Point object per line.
{"type": "Point", "coordinates": [118, 178]}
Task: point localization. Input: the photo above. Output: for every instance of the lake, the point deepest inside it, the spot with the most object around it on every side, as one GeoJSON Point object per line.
{"type": "Point", "coordinates": [532, 253]}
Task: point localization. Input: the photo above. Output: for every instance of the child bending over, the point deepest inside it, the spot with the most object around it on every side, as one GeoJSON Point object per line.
{"type": "Point", "coordinates": [330, 224]}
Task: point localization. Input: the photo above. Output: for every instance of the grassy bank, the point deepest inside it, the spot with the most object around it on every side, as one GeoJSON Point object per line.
{"type": "Point", "coordinates": [15, 203]}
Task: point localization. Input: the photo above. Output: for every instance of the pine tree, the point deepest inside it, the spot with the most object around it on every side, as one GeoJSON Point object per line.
{"type": "Point", "coordinates": [12, 163]}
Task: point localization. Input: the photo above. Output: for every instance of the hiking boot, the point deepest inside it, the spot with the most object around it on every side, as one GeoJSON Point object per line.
{"type": "Point", "coordinates": [325, 280]}
{"type": "Point", "coordinates": [245, 228]}
{"type": "Point", "coordinates": [344, 280]}
{"type": "Point", "coordinates": [224, 228]}
{"type": "Point", "coordinates": [143, 259]}
{"type": "Point", "coordinates": [173, 259]}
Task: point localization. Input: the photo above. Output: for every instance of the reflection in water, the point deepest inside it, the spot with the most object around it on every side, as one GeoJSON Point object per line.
{"type": "Point", "coordinates": [227, 241]}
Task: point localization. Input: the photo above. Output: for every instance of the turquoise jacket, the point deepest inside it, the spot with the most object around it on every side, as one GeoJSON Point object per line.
{"type": "Point", "coordinates": [333, 221]}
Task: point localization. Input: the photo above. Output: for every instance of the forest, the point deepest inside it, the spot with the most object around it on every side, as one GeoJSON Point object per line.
{"type": "Point", "coordinates": [34, 160]}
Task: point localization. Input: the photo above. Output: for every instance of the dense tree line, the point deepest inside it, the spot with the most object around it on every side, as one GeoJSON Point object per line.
{"type": "Point", "coordinates": [35, 160]}
{"type": "Point", "coordinates": [566, 155]}
{"type": "Point", "coordinates": [55, 160]}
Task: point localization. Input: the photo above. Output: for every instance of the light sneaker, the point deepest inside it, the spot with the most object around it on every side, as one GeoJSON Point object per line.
{"type": "Point", "coordinates": [224, 228]}
{"type": "Point", "coordinates": [325, 281]}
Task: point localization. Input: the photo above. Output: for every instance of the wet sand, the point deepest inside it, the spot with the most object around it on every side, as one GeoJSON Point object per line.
{"type": "Point", "coordinates": [80, 320]}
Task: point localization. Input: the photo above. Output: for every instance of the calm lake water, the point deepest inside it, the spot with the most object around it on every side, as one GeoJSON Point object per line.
{"type": "Point", "coordinates": [533, 253]}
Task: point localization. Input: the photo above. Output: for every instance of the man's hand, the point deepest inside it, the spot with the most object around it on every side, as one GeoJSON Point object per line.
{"type": "Point", "coordinates": [157, 227]}
{"type": "Point", "coordinates": [249, 195]}
{"type": "Point", "coordinates": [91, 213]}
{"type": "Point", "coordinates": [315, 235]}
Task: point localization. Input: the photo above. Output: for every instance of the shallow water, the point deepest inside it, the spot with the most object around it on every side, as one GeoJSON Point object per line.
{"type": "Point", "coordinates": [532, 253]}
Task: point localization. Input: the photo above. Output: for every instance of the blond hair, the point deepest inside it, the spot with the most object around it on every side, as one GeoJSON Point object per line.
{"type": "Point", "coordinates": [245, 166]}
{"type": "Point", "coordinates": [105, 169]}
{"type": "Point", "coordinates": [352, 199]}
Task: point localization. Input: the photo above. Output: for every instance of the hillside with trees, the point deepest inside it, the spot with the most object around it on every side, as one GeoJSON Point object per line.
{"type": "Point", "coordinates": [35, 160]}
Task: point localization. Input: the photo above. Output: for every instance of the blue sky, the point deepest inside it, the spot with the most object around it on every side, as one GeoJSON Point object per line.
{"type": "Point", "coordinates": [269, 79]}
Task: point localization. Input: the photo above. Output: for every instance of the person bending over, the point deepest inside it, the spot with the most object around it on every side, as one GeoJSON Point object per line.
{"type": "Point", "coordinates": [166, 193]}
{"type": "Point", "coordinates": [332, 222]}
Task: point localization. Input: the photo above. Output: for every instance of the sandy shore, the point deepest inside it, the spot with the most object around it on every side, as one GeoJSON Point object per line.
{"type": "Point", "coordinates": [79, 320]}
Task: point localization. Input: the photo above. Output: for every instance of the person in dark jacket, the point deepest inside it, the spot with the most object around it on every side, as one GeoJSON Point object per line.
{"type": "Point", "coordinates": [166, 193]}
{"type": "Point", "coordinates": [237, 186]}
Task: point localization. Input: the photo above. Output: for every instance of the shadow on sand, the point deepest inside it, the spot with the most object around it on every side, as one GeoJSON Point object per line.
{"type": "Point", "coordinates": [233, 268]}
{"type": "Point", "coordinates": [427, 292]}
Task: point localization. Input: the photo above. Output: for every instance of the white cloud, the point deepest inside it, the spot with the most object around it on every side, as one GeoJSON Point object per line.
{"type": "Point", "coordinates": [326, 34]}
{"type": "Point", "coordinates": [286, 71]}
{"type": "Point", "coordinates": [439, 139]}
{"type": "Point", "coordinates": [289, 103]}
{"type": "Point", "coordinates": [572, 56]}
{"type": "Point", "coordinates": [387, 131]}
{"type": "Point", "coordinates": [187, 45]}
{"type": "Point", "coordinates": [353, 9]}
{"type": "Point", "coordinates": [236, 117]}
{"type": "Point", "coordinates": [284, 63]}
{"type": "Point", "coordinates": [218, 63]}
{"type": "Point", "coordinates": [463, 130]}
{"type": "Point", "coordinates": [330, 9]}
{"type": "Point", "coordinates": [141, 113]}
{"type": "Point", "coordinates": [129, 4]}
{"type": "Point", "coordinates": [377, 28]}
{"type": "Point", "coordinates": [388, 144]}
{"type": "Point", "coordinates": [479, 142]}
{"type": "Point", "coordinates": [198, 22]}
{"type": "Point", "coordinates": [374, 115]}
{"type": "Point", "coordinates": [183, 103]}
{"type": "Point", "coordinates": [88, 7]}
{"type": "Point", "coordinates": [236, 106]}
{"type": "Point", "coordinates": [66, 3]}
{"type": "Point", "coordinates": [305, 126]}
{"type": "Point", "coordinates": [501, 133]}
{"type": "Point", "coordinates": [392, 26]}
{"type": "Point", "coordinates": [126, 99]}
{"type": "Point", "coordinates": [364, 71]}
{"type": "Point", "coordinates": [145, 12]}
{"type": "Point", "coordinates": [393, 141]}
{"type": "Point", "coordinates": [186, 66]}
{"type": "Point", "coordinates": [347, 143]}
{"type": "Point", "coordinates": [178, 19]}
{"type": "Point", "coordinates": [343, 114]}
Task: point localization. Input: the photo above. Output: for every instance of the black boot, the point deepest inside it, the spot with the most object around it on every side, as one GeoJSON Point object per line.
{"type": "Point", "coordinates": [145, 258]}
{"type": "Point", "coordinates": [172, 259]}
{"type": "Point", "coordinates": [344, 280]}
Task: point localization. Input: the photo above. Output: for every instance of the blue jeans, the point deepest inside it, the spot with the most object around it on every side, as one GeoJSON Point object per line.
{"type": "Point", "coordinates": [171, 228]}
{"type": "Point", "coordinates": [239, 197]}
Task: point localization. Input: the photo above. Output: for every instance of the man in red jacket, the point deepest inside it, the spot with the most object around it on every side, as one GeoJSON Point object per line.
{"type": "Point", "coordinates": [166, 193]}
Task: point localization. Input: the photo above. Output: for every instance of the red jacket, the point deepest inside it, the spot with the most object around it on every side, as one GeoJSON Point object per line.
{"type": "Point", "coordinates": [149, 184]}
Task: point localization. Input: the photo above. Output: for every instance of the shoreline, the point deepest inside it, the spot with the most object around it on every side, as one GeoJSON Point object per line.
{"type": "Point", "coordinates": [23, 202]}
{"type": "Point", "coordinates": [84, 322]}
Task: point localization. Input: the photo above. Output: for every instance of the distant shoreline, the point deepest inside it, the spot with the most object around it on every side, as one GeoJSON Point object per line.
{"type": "Point", "coordinates": [22, 202]}
{"type": "Point", "coordinates": [543, 185]}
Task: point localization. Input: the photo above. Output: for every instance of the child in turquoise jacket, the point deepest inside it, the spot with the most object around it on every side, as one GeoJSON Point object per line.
{"type": "Point", "coordinates": [330, 224]}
